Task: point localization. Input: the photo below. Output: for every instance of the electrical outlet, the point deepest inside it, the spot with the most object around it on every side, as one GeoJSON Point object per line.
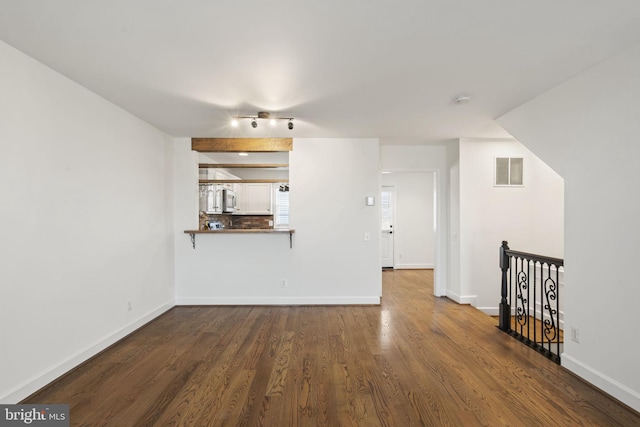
{"type": "Point", "coordinates": [129, 305]}
{"type": "Point", "coordinates": [575, 335]}
{"type": "Point", "coordinates": [367, 236]}
{"type": "Point", "coordinates": [284, 283]}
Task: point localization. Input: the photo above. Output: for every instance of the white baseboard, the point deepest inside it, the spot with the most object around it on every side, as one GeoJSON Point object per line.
{"type": "Point", "coordinates": [25, 390]}
{"type": "Point", "coordinates": [279, 301]}
{"type": "Point", "coordinates": [399, 266]}
{"type": "Point", "coordinates": [610, 386]}
{"type": "Point", "coordinates": [491, 311]}
{"type": "Point", "coordinates": [462, 299]}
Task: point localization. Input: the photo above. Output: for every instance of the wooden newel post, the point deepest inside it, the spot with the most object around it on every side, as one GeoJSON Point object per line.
{"type": "Point", "coordinates": [505, 309]}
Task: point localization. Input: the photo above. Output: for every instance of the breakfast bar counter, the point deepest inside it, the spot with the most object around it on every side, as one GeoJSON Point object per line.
{"type": "Point", "coordinates": [288, 231]}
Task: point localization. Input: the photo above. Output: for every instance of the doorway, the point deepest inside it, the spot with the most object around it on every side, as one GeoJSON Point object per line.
{"type": "Point", "coordinates": [387, 213]}
{"type": "Point", "coordinates": [408, 215]}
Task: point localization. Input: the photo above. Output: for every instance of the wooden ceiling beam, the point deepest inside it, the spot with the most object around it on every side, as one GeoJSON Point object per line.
{"type": "Point", "coordinates": [242, 165]}
{"type": "Point", "coordinates": [234, 145]}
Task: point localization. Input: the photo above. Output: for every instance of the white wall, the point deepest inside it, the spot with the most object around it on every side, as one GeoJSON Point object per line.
{"type": "Point", "coordinates": [330, 262]}
{"type": "Point", "coordinates": [530, 217]}
{"type": "Point", "coordinates": [413, 227]}
{"type": "Point", "coordinates": [426, 158]}
{"type": "Point", "coordinates": [453, 229]}
{"type": "Point", "coordinates": [588, 129]}
{"type": "Point", "coordinates": [84, 187]}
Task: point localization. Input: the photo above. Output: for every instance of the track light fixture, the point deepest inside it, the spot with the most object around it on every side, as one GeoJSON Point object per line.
{"type": "Point", "coordinates": [262, 115]}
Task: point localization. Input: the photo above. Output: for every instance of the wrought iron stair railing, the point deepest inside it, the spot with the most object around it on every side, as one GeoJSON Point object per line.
{"type": "Point", "coordinates": [530, 300]}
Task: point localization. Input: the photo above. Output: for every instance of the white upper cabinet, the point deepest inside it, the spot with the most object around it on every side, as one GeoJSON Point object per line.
{"type": "Point", "coordinates": [258, 198]}
{"type": "Point", "coordinates": [254, 199]}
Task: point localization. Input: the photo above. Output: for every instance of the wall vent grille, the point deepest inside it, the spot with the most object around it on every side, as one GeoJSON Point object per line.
{"type": "Point", "coordinates": [509, 172]}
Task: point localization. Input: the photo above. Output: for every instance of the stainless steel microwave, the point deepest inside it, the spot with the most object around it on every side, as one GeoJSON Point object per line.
{"type": "Point", "coordinates": [229, 201]}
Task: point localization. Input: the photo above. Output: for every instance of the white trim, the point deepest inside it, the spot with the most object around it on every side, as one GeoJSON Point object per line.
{"type": "Point", "coordinates": [41, 380]}
{"type": "Point", "coordinates": [442, 224]}
{"type": "Point", "coordinates": [414, 266]}
{"type": "Point", "coordinates": [441, 212]}
{"type": "Point", "coordinates": [490, 311]}
{"type": "Point", "coordinates": [605, 383]}
{"type": "Point", "coordinates": [374, 300]}
{"type": "Point", "coordinates": [461, 299]}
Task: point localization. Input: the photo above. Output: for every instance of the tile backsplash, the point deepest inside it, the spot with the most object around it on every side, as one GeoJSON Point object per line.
{"type": "Point", "coordinates": [243, 221]}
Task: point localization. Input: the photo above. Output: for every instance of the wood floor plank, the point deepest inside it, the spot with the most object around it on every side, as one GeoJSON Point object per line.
{"type": "Point", "coordinates": [415, 360]}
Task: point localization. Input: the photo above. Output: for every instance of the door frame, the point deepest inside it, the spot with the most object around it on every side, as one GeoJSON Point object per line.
{"type": "Point", "coordinates": [441, 225]}
{"type": "Point", "coordinates": [393, 210]}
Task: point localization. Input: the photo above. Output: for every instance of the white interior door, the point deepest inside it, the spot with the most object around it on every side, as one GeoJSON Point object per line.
{"type": "Point", "coordinates": [387, 201]}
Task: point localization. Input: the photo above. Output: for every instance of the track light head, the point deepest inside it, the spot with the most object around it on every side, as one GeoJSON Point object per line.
{"type": "Point", "coordinates": [262, 115]}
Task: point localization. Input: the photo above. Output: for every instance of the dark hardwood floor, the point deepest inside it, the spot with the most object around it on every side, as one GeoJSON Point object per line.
{"type": "Point", "coordinates": [415, 360]}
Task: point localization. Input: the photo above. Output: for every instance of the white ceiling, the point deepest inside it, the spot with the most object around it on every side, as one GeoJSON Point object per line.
{"type": "Point", "coordinates": [385, 69]}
